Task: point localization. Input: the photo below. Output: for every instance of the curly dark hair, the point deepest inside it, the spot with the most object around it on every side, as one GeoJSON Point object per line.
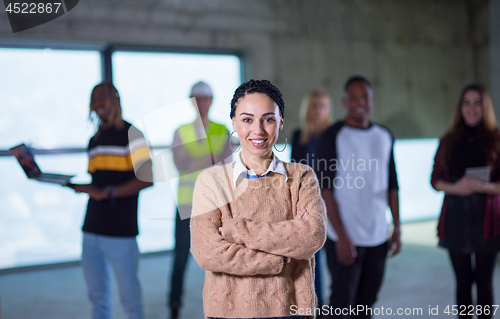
{"type": "Point", "coordinates": [258, 86]}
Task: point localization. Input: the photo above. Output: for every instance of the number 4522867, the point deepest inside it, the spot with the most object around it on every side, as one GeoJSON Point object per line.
{"type": "Point", "coordinates": [471, 310]}
{"type": "Point", "coordinates": [33, 7]}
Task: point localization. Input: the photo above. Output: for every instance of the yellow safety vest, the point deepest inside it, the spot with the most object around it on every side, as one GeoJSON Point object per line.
{"type": "Point", "coordinates": [197, 148]}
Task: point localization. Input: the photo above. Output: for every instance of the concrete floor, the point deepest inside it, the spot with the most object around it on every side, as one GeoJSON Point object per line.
{"type": "Point", "coordinates": [420, 277]}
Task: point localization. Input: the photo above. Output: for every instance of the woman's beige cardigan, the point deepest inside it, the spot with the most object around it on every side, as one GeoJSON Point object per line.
{"type": "Point", "coordinates": [245, 271]}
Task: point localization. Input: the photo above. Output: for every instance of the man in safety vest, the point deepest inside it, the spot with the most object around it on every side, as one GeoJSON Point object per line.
{"type": "Point", "coordinates": [197, 146]}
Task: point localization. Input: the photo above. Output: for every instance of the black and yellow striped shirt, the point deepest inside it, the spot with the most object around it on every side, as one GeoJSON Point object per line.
{"type": "Point", "coordinates": [112, 155]}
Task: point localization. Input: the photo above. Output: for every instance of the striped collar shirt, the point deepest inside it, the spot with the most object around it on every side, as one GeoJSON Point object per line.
{"type": "Point", "coordinates": [240, 170]}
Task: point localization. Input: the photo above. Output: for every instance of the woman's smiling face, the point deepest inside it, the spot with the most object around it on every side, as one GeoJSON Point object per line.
{"type": "Point", "coordinates": [472, 108]}
{"type": "Point", "coordinates": [258, 122]}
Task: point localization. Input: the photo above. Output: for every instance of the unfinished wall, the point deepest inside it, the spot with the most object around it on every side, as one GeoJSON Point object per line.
{"type": "Point", "coordinates": [495, 54]}
{"type": "Point", "coordinates": [417, 53]}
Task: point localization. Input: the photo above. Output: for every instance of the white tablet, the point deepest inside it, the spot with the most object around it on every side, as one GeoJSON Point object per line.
{"type": "Point", "coordinates": [482, 173]}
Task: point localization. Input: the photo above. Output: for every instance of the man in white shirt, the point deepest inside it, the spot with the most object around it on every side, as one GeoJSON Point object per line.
{"type": "Point", "coordinates": [357, 175]}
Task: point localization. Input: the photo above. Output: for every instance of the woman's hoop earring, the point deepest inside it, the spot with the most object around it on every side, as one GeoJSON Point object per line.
{"type": "Point", "coordinates": [231, 135]}
{"type": "Point", "coordinates": [286, 141]}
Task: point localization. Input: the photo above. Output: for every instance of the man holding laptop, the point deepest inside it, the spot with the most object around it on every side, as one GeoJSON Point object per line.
{"type": "Point", "coordinates": [27, 162]}
{"type": "Point", "coordinates": [120, 165]}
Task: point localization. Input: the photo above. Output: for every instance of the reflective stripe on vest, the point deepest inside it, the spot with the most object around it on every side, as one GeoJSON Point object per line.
{"type": "Point", "coordinates": [198, 148]}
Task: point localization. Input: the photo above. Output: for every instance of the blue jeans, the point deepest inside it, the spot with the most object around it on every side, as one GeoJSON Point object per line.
{"type": "Point", "coordinates": [99, 254]}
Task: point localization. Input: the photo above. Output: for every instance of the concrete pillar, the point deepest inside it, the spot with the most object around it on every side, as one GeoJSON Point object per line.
{"type": "Point", "coordinates": [495, 54]}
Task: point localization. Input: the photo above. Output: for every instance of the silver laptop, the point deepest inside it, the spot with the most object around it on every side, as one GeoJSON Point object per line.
{"type": "Point", "coordinates": [27, 162]}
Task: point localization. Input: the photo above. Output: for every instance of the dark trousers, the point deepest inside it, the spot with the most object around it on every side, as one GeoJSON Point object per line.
{"type": "Point", "coordinates": [467, 273]}
{"type": "Point", "coordinates": [358, 283]}
{"type": "Point", "coordinates": [181, 255]}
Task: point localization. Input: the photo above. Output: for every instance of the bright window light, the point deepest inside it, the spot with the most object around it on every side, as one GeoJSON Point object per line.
{"type": "Point", "coordinates": [45, 96]}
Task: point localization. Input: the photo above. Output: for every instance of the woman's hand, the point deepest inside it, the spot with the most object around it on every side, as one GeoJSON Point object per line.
{"type": "Point", "coordinates": [467, 185]}
{"type": "Point", "coordinates": [221, 231]}
{"type": "Point", "coordinates": [489, 188]}
{"type": "Point", "coordinates": [301, 214]}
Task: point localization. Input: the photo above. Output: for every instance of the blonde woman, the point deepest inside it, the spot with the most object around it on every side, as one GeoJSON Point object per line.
{"type": "Point", "coordinates": [315, 117]}
{"type": "Point", "coordinates": [257, 222]}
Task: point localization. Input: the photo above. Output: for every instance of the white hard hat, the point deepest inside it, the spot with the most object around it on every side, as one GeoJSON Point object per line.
{"type": "Point", "coordinates": [201, 89]}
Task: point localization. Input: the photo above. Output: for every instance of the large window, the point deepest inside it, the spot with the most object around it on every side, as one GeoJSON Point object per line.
{"type": "Point", "coordinates": [45, 96]}
{"type": "Point", "coordinates": [414, 160]}
{"type": "Point", "coordinates": [149, 82]}
{"type": "Point", "coordinates": [45, 100]}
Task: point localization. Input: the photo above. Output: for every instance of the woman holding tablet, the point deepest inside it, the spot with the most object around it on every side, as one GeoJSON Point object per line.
{"type": "Point", "coordinates": [469, 225]}
{"type": "Point", "coordinates": [258, 221]}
